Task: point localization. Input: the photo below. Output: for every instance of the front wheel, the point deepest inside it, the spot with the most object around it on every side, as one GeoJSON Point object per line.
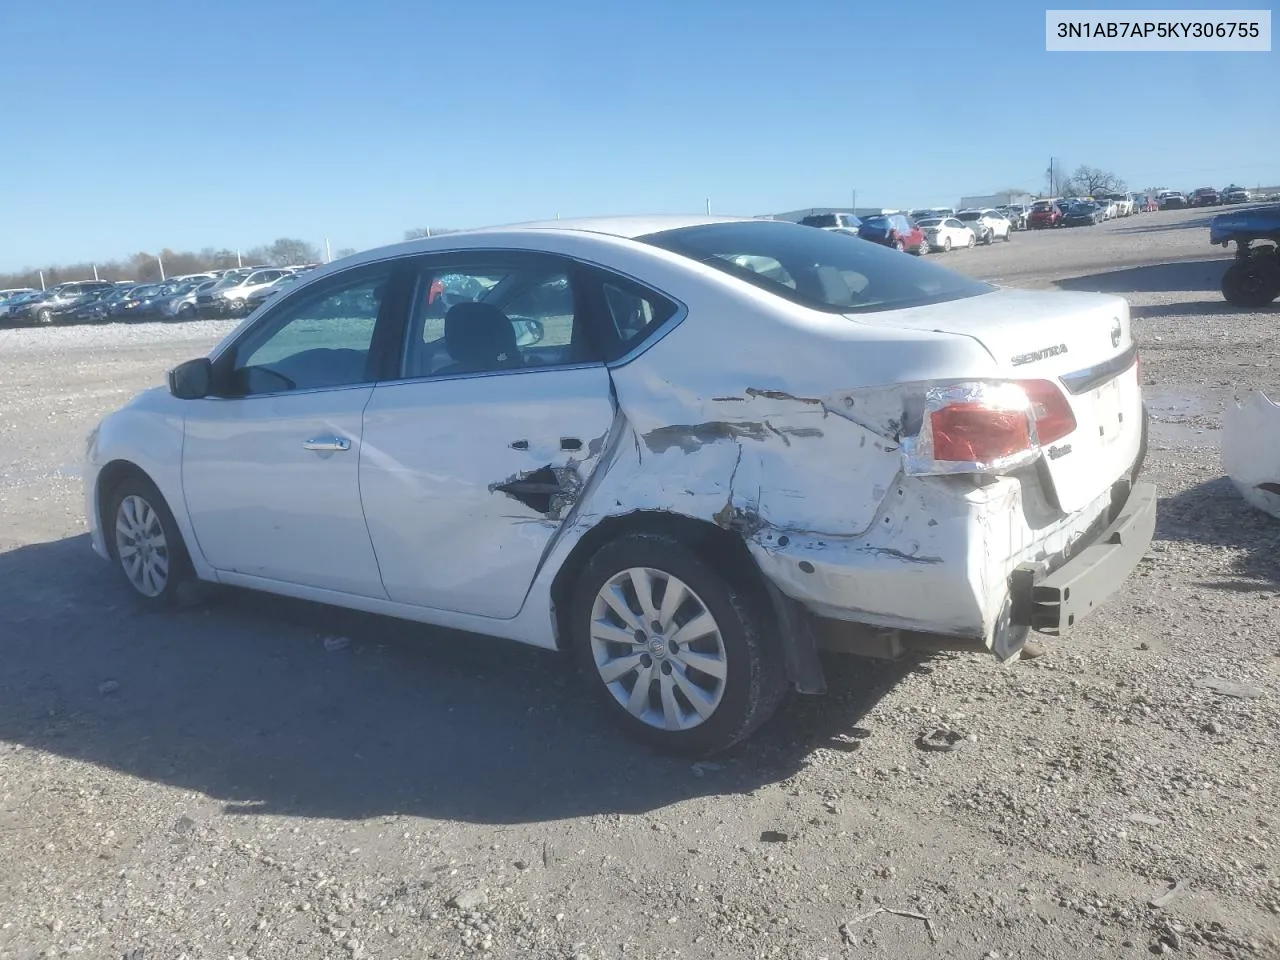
{"type": "Point", "coordinates": [946, 245]}
{"type": "Point", "coordinates": [1008, 235]}
{"type": "Point", "coordinates": [44, 316]}
{"type": "Point", "coordinates": [973, 241]}
{"type": "Point", "coordinates": [144, 540]}
{"type": "Point", "coordinates": [678, 652]}
{"type": "Point", "coordinates": [899, 246]}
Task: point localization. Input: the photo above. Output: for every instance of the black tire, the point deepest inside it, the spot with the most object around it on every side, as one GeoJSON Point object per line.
{"type": "Point", "coordinates": [186, 311]}
{"type": "Point", "coordinates": [899, 246]}
{"type": "Point", "coordinates": [44, 316]}
{"type": "Point", "coordinates": [973, 241]}
{"type": "Point", "coordinates": [1008, 235]}
{"type": "Point", "coordinates": [1252, 283]}
{"type": "Point", "coordinates": [946, 244]}
{"type": "Point", "coordinates": [988, 237]}
{"type": "Point", "coordinates": [180, 572]}
{"type": "Point", "coordinates": [755, 680]}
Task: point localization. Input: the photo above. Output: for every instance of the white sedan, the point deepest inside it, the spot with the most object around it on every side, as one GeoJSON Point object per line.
{"type": "Point", "coordinates": [946, 233]}
{"type": "Point", "coordinates": [691, 452]}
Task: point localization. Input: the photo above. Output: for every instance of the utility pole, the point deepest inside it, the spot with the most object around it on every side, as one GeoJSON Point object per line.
{"type": "Point", "coordinates": [708, 206]}
{"type": "Point", "coordinates": [42, 280]}
{"type": "Point", "coordinates": [328, 254]}
{"type": "Point", "coordinates": [854, 200]}
{"type": "Point", "coordinates": [239, 261]}
{"type": "Point", "coordinates": [95, 271]}
{"type": "Point", "coordinates": [161, 262]}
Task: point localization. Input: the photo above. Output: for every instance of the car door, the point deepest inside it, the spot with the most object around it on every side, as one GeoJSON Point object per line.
{"type": "Point", "coordinates": [477, 454]}
{"type": "Point", "coordinates": [270, 466]}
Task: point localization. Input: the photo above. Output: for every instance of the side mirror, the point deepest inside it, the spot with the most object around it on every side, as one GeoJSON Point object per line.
{"type": "Point", "coordinates": [529, 332]}
{"type": "Point", "coordinates": [192, 380]}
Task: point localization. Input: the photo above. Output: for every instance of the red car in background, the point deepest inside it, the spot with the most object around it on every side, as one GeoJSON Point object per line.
{"type": "Point", "coordinates": [894, 230]}
{"type": "Point", "coordinates": [1044, 213]}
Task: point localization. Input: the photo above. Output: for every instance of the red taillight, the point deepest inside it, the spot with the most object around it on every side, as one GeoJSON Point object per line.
{"type": "Point", "coordinates": [977, 433]}
{"type": "Point", "coordinates": [987, 426]}
{"type": "Point", "coordinates": [1053, 414]}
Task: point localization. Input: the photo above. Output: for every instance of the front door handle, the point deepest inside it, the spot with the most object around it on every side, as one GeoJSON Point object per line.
{"type": "Point", "coordinates": [327, 444]}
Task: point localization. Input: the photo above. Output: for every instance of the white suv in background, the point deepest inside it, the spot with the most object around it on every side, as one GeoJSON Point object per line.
{"type": "Point", "coordinates": [987, 224]}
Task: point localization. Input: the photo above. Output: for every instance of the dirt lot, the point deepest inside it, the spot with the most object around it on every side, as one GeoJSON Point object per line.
{"type": "Point", "coordinates": [219, 784]}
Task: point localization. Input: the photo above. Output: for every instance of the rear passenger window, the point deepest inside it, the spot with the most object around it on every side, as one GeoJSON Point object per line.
{"type": "Point", "coordinates": [634, 313]}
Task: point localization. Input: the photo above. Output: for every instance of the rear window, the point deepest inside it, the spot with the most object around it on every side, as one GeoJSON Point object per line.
{"type": "Point", "coordinates": [818, 269]}
{"type": "Point", "coordinates": [821, 220]}
{"type": "Point", "coordinates": [969, 215]}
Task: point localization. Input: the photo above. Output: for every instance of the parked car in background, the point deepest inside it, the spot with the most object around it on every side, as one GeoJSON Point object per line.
{"type": "Point", "coordinates": [11, 304]}
{"type": "Point", "coordinates": [1083, 213]}
{"type": "Point", "coordinates": [140, 302]}
{"type": "Point", "coordinates": [58, 303]}
{"type": "Point", "coordinates": [895, 230]}
{"type": "Point", "coordinates": [1205, 197]}
{"type": "Point", "coordinates": [986, 223]}
{"type": "Point", "coordinates": [932, 213]}
{"type": "Point", "coordinates": [179, 301]}
{"type": "Point", "coordinates": [227, 296]}
{"type": "Point", "coordinates": [1122, 202]}
{"type": "Point", "coordinates": [1110, 209]}
{"type": "Point", "coordinates": [1044, 214]}
{"type": "Point", "coordinates": [345, 448]}
{"type": "Point", "coordinates": [1171, 200]}
{"type": "Point", "coordinates": [97, 308]}
{"type": "Point", "coordinates": [947, 233]}
{"type": "Point", "coordinates": [1236, 195]}
{"type": "Point", "coordinates": [838, 222]}
{"type": "Point", "coordinates": [263, 294]}
{"type": "Point", "coordinates": [1016, 214]}
{"type": "Point", "coordinates": [8, 294]}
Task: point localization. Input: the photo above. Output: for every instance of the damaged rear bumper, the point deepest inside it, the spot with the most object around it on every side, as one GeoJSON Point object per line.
{"type": "Point", "coordinates": [1053, 598]}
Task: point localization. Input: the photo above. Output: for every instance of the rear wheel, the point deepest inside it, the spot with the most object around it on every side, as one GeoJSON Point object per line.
{"type": "Point", "coordinates": [899, 246]}
{"type": "Point", "coordinates": [988, 237]}
{"type": "Point", "coordinates": [678, 653]}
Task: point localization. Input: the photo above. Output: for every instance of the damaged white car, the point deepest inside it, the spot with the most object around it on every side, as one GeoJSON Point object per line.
{"type": "Point", "coordinates": [691, 451]}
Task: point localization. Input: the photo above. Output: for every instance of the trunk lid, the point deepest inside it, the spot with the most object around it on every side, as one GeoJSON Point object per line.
{"type": "Point", "coordinates": [1080, 341]}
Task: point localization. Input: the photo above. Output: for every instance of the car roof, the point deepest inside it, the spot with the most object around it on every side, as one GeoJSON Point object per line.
{"type": "Point", "coordinates": [624, 227]}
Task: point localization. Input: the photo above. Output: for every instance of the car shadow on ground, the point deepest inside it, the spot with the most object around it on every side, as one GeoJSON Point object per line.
{"type": "Point", "coordinates": [1200, 275]}
{"type": "Point", "coordinates": [1215, 514]}
{"type": "Point", "coordinates": [241, 700]}
{"type": "Point", "coordinates": [1144, 224]}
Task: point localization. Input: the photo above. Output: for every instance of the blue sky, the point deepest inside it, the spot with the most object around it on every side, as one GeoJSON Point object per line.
{"type": "Point", "coordinates": [140, 124]}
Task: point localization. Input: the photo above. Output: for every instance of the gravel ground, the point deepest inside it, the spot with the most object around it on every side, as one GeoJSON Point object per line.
{"type": "Point", "coordinates": [220, 783]}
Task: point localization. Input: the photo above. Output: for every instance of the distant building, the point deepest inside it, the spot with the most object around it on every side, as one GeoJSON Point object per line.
{"type": "Point", "coordinates": [995, 200]}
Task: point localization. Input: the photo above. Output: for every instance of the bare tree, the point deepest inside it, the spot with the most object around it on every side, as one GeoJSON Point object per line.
{"type": "Point", "coordinates": [1091, 181]}
{"type": "Point", "coordinates": [342, 252]}
{"type": "Point", "coordinates": [287, 252]}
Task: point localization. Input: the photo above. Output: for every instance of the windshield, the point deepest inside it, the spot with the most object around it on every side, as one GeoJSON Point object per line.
{"type": "Point", "coordinates": [821, 220]}
{"type": "Point", "coordinates": [877, 222]}
{"type": "Point", "coordinates": [230, 280]}
{"type": "Point", "coordinates": [931, 222]}
{"type": "Point", "coordinates": [816, 268]}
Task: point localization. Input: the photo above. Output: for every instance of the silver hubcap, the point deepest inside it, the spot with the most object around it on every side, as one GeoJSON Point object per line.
{"type": "Point", "coordinates": [141, 546]}
{"type": "Point", "coordinates": [658, 649]}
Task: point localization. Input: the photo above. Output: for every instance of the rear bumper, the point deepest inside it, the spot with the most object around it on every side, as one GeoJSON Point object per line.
{"type": "Point", "coordinates": [1057, 601]}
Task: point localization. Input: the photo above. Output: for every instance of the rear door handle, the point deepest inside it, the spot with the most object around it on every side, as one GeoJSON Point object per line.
{"type": "Point", "coordinates": [327, 444]}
